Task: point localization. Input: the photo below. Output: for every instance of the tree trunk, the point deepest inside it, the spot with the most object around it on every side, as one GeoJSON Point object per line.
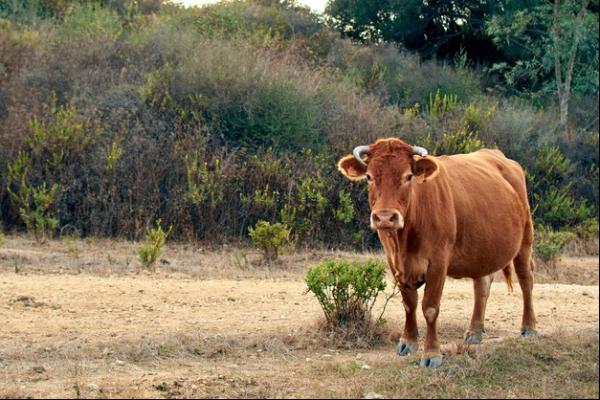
{"type": "Point", "coordinates": [564, 87]}
{"type": "Point", "coordinates": [564, 110]}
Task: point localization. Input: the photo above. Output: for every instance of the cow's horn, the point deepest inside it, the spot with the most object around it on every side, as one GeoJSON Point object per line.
{"type": "Point", "coordinates": [421, 151]}
{"type": "Point", "coordinates": [358, 153]}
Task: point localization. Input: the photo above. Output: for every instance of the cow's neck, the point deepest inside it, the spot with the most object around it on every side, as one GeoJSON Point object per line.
{"type": "Point", "coordinates": [406, 252]}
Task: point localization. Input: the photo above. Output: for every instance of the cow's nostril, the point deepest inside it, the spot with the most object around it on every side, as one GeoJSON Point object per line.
{"type": "Point", "coordinates": [386, 219]}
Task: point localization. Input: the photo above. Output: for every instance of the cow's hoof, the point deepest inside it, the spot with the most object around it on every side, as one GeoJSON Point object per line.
{"type": "Point", "coordinates": [431, 362]}
{"type": "Point", "coordinates": [405, 348]}
{"type": "Point", "coordinates": [473, 337]}
{"type": "Point", "coordinates": [527, 332]}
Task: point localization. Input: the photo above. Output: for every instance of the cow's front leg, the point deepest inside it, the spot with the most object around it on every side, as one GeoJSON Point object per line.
{"type": "Point", "coordinates": [409, 342]}
{"type": "Point", "coordinates": [432, 356]}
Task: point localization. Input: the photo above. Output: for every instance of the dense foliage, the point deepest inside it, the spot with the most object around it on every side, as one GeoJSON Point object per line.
{"type": "Point", "coordinates": [346, 291]}
{"type": "Point", "coordinates": [118, 113]}
{"type": "Point", "coordinates": [518, 42]}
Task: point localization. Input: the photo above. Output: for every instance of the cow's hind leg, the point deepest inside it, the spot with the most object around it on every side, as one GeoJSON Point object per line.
{"type": "Point", "coordinates": [409, 340]}
{"type": "Point", "coordinates": [524, 269]}
{"type": "Point", "coordinates": [481, 288]}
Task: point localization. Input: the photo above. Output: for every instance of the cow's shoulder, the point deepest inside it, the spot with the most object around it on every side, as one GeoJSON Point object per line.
{"type": "Point", "coordinates": [485, 167]}
{"type": "Point", "coordinates": [496, 159]}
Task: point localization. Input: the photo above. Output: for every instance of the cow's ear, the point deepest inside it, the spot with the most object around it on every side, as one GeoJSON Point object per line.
{"type": "Point", "coordinates": [425, 167]}
{"type": "Point", "coordinates": [352, 169]}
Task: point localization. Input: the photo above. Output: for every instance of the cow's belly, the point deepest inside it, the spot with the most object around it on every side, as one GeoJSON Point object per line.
{"type": "Point", "coordinates": [485, 243]}
{"type": "Point", "coordinates": [478, 266]}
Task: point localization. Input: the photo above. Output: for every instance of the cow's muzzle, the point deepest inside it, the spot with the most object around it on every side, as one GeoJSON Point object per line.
{"type": "Point", "coordinates": [386, 219]}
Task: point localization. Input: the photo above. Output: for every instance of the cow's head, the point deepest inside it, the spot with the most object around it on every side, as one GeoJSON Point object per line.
{"type": "Point", "coordinates": [392, 168]}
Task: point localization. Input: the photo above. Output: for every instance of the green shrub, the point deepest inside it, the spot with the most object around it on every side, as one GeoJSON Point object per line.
{"type": "Point", "coordinates": [1, 239]}
{"type": "Point", "coordinates": [153, 244]}
{"type": "Point", "coordinates": [88, 22]}
{"type": "Point", "coordinates": [33, 201]}
{"type": "Point", "coordinates": [556, 207]}
{"type": "Point", "coordinates": [205, 183]}
{"type": "Point", "coordinates": [31, 11]}
{"type": "Point", "coordinates": [440, 104]}
{"type": "Point", "coordinates": [549, 243]}
{"type": "Point", "coordinates": [346, 290]}
{"type": "Point", "coordinates": [270, 238]}
{"type": "Point", "coordinates": [459, 142]}
{"type": "Point", "coordinates": [553, 202]}
{"type": "Point", "coordinates": [476, 116]}
{"type": "Point", "coordinates": [36, 202]}
{"type": "Point", "coordinates": [62, 139]}
{"type": "Point", "coordinates": [345, 211]}
{"type": "Point", "coordinates": [307, 203]}
{"type": "Point", "coordinates": [284, 116]}
{"type": "Point", "coordinates": [588, 229]}
{"type": "Point", "coordinates": [113, 155]}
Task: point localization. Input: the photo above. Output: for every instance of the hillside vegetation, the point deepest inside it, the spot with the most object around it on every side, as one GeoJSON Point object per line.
{"type": "Point", "coordinates": [114, 114]}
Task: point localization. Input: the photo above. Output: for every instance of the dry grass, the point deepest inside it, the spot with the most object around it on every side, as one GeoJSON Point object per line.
{"type": "Point", "coordinates": [557, 365]}
{"type": "Point", "coordinates": [107, 257]}
{"type": "Point", "coordinates": [568, 269]}
{"type": "Point", "coordinates": [204, 326]}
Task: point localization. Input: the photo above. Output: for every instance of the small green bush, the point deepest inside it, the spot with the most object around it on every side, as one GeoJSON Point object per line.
{"type": "Point", "coordinates": [308, 204]}
{"type": "Point", "coordinates": [1, 239]}
{"type": "Point", "coordinates": [588, 229]}
{"type": "Point", "coordinates": [270, 238]}
{"type": "Point", "coordinates": [556, 207]}
{"type": "Point", "coordinates": [33, 202]}
{"type": "Point", "coordinates": [345, 210]}
{"type": "Point", "coordinates": [35, 211]}
{"type": "Point", "coordinates": [476, 116]}
{"type": "Point", "coordinates": [551, 191]}
{"type": "Point", "coordinates": [549, 243]}
{"type": "Point", "coordinates": [204, 181]}
{"type": "Point", "coordinates": [460, 142]}
{"type": "Point", "coordinates": [153, 243]}
{"type": "Point", "coordinates": [440, 104]}
{"type": "Point", "coordinates": [346, 290]}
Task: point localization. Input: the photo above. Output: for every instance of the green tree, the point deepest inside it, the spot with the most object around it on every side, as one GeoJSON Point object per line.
{"type": "Point", "coordinates": [537, 47]}
{"type": "Point", "coordinates": [433, 28]}
{"type": "Point", "coordinates": [549, 47]}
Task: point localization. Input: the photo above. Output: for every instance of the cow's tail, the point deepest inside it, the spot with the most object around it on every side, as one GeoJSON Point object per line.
{"type": "Point", "coordinates": [507, 272]}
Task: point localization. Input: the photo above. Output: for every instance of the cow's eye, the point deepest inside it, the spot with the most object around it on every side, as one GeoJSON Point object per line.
{"type": "Point", "coordinates": [408, 177]}
{"type": "Point", "coordinates": [369, 177]}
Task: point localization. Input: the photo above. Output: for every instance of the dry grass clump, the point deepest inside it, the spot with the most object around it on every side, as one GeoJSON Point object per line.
{"type": "Point", "coordinates": [356, 335]}
{"type": "Point", "coordinates": [554, 366]}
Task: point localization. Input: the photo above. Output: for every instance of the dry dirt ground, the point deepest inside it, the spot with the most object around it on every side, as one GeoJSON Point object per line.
{"type": "Point", "coordinates": [213, 323]}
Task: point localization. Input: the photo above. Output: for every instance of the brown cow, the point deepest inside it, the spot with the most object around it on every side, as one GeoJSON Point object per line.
{"type": "Point", "coordinates": [465, 215]}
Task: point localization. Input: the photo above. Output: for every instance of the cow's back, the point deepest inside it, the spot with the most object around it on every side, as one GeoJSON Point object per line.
{"type": "Point", "coordinates": [491, 211]}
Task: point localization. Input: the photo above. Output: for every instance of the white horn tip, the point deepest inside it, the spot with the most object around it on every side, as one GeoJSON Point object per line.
{"type": "Point", "coordinates": [421, 151]}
